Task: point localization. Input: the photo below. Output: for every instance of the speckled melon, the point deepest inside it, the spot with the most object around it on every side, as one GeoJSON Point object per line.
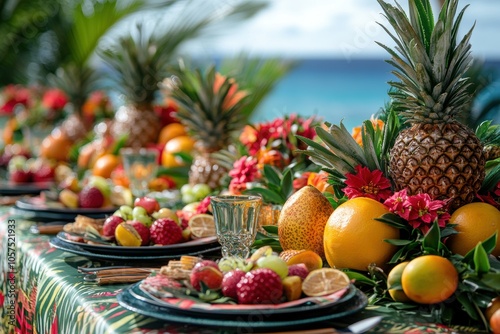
{"type": "Point", "coordinates": [302, 220]}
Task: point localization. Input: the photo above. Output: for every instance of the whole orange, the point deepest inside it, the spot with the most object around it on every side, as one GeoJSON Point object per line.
{"type": "Point", "coordinates": [170, 131]}
{"type": "Point", "coordinates": [429, 279]}
{"type": "Point", "coordinates": [354, 239]}
{"type": "Point", "coordinates": [56, 146]}
{"type": "Point", "coordinates": [475, 222]}
{"type": "Point", "coordinates": [393, 280]}
{"type": "Point", "coordinates": [175, 145]}
{"type": "Point", "coordinates": [105, 165]}
{"type": "Point", "coordinates": [495, 322]}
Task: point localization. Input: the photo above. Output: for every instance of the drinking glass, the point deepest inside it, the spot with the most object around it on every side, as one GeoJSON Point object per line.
{"type": "Point", "coordinates": [141, 166]}
{"type": "Point", "coordinates": [236, 222]}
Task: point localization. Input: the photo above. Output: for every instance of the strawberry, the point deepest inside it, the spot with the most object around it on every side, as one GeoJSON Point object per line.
{"type": "Point", "coordinates": [20, 176]}
{"type": "Point", "coordinates": [229, 282]}
{"type": "Point", "coordinates": [299, 269]}
{"type": "Point", "coordinates": [43, 174]}
{"type": "Point", "coordinates": [90, 197]}
{"type": "Point", "coordinates": [143, 232]}
{"type": "Point", "coordinates": [110, 224]}
{"type": "Point", "coordinates": [260, 286]}
{"type": "Point", "coordinates": [165, 231]}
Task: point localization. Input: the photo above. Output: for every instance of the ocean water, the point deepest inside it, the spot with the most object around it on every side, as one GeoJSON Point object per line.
{"type": "Point", "coordinates": [338, 90]}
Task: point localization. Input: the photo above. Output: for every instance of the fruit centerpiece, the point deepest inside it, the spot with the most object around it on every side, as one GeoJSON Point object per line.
{"type": "Point", "coordinates": [416, 196]}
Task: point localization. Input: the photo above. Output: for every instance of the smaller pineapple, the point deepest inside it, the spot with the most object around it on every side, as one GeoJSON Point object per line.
{"type": "Point", "coordinates": [210, 107]}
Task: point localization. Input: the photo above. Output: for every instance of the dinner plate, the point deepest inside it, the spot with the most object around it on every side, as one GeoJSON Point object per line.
{"type": "Point", "coordinates": [289, 309]}
{"type": "Point", "coordinates": [38, 204]}
{"type": "Point", "coordinates": [143, 250]}
{"type": "Point", "coordinates": [127, 299]}
{"type": "Point", "coordinates": [49, 216]}
{"type": "Point", "coordinates": [28, 188]}
{"type": "Point", "coordinates": [75, 249]}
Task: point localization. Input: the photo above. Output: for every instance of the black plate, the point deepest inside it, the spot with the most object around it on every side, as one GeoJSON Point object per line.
{"type": "Point", "coordinates": [128, 300]}
{"type": "Point", "coordinates": [75, 249]}
{"type": "Point", "coordinates": [37, 204]}
{"type": "Point", "coordinates": [299, 309]}
{"type": "Point", "coordinates": [48, 216]}
{"type": "Point", "coordinates": [31, 188]}
{"type": "Point", "coordinates": [199, 244]}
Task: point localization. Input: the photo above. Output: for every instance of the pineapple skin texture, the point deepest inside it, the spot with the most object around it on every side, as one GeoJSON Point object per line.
{"type": "Point", "coordinates": [444, 160]}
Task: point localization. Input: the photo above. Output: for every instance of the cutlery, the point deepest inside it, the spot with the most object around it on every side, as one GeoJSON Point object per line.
{"type": "Point", "coordinates": [359, 327]}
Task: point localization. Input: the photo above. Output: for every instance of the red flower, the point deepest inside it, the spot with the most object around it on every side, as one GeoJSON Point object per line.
{"type": "Point", "coordinates": [244, 170]}
{"type": "Point", "coordinates": [397, 203]}
{"type": "Point", "coordinates": [365, 183]}
{"type": "Point", "coordinates": [14, 95]}
{"type": "Point", "coordinates": [54, 99]}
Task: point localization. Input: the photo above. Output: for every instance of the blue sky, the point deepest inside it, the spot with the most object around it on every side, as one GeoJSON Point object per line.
{"type": "Point", "coordinates": [338, 28]}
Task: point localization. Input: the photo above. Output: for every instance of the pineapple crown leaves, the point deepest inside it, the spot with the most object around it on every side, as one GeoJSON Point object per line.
{"type": "Point", "coordinates": [204, 110]}
{"type": "Point", "coordinates": [340, 153]}
{"type": "Point", "coordinates": [430, 64]}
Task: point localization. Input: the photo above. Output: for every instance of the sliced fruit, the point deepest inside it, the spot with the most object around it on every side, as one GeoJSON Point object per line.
{"type": "Point", "coordinates": [308, 257]}
{"type": "Point", "coordinates": [127, 236]}
{"type": "Point", "coordinates": [324, 281]}
{"type": "Point", "coordinates": [202, 225]}
{"type": "Point", "coordinates": [262, 251]}
{"type": "Point", "coordinates": [68, 198]}
{"type": "Point", "coordinates": [292, 287]}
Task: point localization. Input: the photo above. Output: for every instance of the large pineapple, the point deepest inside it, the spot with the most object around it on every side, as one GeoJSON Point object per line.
{"type": "Point", "coordinates": [210, 106]}
{"type": "Point", "coordinates": [436, 154]}
{"type": "Point", "coordinates": [137, 66]}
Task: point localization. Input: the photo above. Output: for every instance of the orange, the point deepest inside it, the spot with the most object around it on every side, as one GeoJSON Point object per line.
{"type": "Point", "coordinates": [175, 145]}
{"type": "Point", "coordinates": [476, 222]}
{"type": "Point", "coordinates": [393, 279]}
{"type": "Point", "coordinates": [324, 281]}
{"type": "Point", "coordinates": [105, 165]}
{"type": "Point", "coordinates": [56, 146]}
{"type": "Point", "coordinates": [354, 239]}
{"type": "Point", "coordinates": [429, 279]}
{"type": "Point", "coordinates": [492, 307]}
{"type": "Point", "coordinates": [202, 225]}
{"type": "Point", "coordinates": [311, 259]}
{"type": "Point", "coordinates": [170, 131]}
{"type": "Point", "coordinates": [495, 322]}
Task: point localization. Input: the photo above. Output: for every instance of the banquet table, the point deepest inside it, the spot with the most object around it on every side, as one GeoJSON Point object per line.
{"type": "Point", "coordinates": [42, 291]}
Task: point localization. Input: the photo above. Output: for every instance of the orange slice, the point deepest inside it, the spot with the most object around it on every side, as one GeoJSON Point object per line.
{"type": "Point", "coordinates": [324, 281]}
{"type": "Point", "coordinates": [202, 225]}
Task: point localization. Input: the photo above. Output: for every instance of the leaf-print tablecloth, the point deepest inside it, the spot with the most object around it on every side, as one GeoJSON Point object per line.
{"type": "Point", "coordinates": [51, 296]}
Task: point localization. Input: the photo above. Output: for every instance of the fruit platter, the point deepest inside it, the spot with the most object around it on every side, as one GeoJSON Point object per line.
{"type": "Point", "coordinates": [231, 289]}
{"type": "Point", "coordinates": [144, 230]}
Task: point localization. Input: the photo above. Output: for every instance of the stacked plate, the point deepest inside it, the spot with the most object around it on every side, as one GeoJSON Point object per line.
{"type": "Point", "coordinates": [34, 208]}
{"type": "Point", "coordinates": [143, 253]}
{"type": "Point", "coordinates": [297, 316]}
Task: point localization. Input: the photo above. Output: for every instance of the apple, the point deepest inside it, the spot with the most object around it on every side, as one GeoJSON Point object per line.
{"type": "Point", "coordinates": [208, 272]}
{"type": "Point", "coordinates": [110, 224]}
{"type": "Point", "coordinates": [150, 204]}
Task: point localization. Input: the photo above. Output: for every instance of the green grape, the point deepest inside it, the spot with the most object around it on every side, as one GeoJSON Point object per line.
{"type": "Point", "coordinates": [201, 190]}
{"type": "Point", "coordinates": [227, 264]}
{"type": "Point", "coordinates": [186, 190]}
{"type": "Point", "coordinates": [126, 212]}
{"type": "Point", "coordinates": [275, 263]}
{"type": "Point", "coordinates": [145, 220]}
{"type": "Point", "coordinates": [139, 211]}
{"type": "Point", "coordinates": [100, 183]}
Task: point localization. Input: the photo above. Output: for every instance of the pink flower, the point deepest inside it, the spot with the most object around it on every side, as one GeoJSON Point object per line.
{"type": "Point", "coordinates": [397, 203]}
{"type": "Point", "coordinates": [419, 210]}
{"type": "Point", "coordinates": [14, 95]}
{"type": "Point", "coordinates": [244, 170]}
{"type": "Point", "coordinates": [365, 183]}
{"type": "Point", "coordinates": [54, 99]}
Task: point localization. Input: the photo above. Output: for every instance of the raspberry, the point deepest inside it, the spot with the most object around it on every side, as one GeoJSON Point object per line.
{"type": "Point", "coordinates": [229, 282]}
{"type": "Point", "coordinates": [90, 197]}
{"type": "Point", "coordinates": [165, 231]}
{"type": "Point", "coordinates": [299, 269]}
{"type": "Point", "coordinates": [260, 286]}
{"type": "Point", "coordinates": [143, 232]}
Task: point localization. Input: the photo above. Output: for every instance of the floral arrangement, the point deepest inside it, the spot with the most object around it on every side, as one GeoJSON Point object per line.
{"type": "Point", "coordinates": [268, 163]}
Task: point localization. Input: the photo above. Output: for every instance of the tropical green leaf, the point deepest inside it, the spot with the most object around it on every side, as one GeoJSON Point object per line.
{"type": "Point", "coordinates": [481, 262]}
{"type": "Point", "coordinates": [271, 175]}
{"type": "Point", "coordinates": [273, 229]}
{"type": "Point", "coordinates": [359, 278]}
{"type": "Point", "coordinates": [268, 195]}
{"type": "Point", "coordinates": [432, 239]}
{"type": "Point", "coordinates": [393, 220]}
